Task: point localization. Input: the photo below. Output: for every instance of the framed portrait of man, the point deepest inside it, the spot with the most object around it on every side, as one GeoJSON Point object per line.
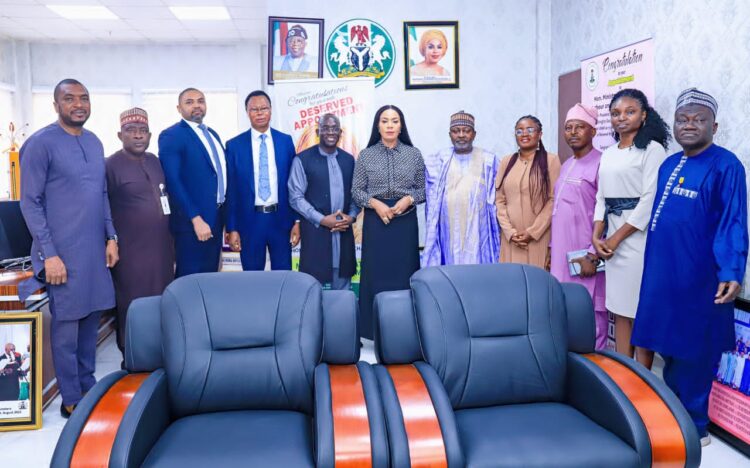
{"type": "Point", "coordinates": [295, 48]}
{"type": "Point", "coordinates": [431, 55]}
{"type": "Point", "coordinates": [20, 371]}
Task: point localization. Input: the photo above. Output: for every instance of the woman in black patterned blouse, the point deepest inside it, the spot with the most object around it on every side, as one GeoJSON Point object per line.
{"type": "Point", "coordinates": [388, 183]}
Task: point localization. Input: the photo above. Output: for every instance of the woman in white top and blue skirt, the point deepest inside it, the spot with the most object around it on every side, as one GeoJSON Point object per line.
{"type": "Point", "coordinates": [388, 183]}
{"type": "Point", "coordinates": [627, 186]}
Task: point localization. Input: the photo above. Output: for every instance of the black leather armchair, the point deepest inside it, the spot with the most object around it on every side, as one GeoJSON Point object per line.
{"type": "Point", "coordinates": [494, 365]}
{"type": "Point", "coordinates": [234, 369]}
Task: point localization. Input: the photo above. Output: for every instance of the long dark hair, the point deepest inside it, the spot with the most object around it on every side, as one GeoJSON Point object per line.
{"type": "Point", "coordinates": [375, 134]}
{"type": "Point", "coordinates": [654, 128]}
{"type": "Point", "coordinates": [539, 183]}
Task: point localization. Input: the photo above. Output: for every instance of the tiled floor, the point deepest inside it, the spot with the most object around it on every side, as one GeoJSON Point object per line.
{"type": "Point", "coordinates": [33, 449]}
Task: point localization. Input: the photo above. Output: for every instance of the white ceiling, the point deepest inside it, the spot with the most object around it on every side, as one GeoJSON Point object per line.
{"type": "Point", "coordinates": [139, 21]}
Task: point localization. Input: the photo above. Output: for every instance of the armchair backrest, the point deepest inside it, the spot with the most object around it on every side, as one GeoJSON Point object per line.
{"type": "Point", "coordinates": [496, 334]}
{"type": "Point", "coordinates": [235, 341]}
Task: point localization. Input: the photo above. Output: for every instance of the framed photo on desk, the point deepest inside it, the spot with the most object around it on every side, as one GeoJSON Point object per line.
{"type": "Point", "coordinates": [20, 371]}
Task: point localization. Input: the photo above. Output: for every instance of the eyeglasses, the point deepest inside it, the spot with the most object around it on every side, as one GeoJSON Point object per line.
{"type": "Point", "coordinates": [259, 110]}
{"type": "Point", "coordinates": [529, 130]}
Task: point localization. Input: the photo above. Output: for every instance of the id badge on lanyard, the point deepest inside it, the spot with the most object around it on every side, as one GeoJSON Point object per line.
{"type": "Point", "coordinates": [164, 200]}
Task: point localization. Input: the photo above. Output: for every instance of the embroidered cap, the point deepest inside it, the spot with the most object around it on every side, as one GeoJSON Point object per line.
{"type": "Point", "coordinates": [695, 96]}
{"type": "Point", "coordinates": [462, 118]}
{"type": "Point", "coordinates": [134, 115]}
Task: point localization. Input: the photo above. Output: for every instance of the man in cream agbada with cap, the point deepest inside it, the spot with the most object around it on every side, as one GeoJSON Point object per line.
{"type": "Point", "coordinates": [461, 223]}
{"type": "Point", "coordinates": [695, 257]}
{"type": "Point", "coordinates": [573, 213]}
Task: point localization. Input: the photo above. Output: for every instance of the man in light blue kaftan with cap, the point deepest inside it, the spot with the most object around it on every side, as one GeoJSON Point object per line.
{"type": "Point", "coordinates": [461, 225]}
{"type": "Point", "coordinates": [695, 257]}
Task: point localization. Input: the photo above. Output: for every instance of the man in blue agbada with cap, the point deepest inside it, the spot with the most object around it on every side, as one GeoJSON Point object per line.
{"type": "Point", "coordinates": [695, 257]}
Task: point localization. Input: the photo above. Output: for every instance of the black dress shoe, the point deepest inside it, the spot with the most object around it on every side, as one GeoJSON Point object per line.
{"type": "Point", "coordinates": [65, 412]}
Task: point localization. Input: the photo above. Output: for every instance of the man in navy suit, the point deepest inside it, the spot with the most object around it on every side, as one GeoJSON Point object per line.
{"type": "Point", "coordinates": [194, 166]}
{"type": "Point", "coordinates": [259, 216]}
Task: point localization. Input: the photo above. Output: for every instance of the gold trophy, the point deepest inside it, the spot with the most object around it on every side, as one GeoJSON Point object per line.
{"type": "Point", "coordinates": [14, 163]}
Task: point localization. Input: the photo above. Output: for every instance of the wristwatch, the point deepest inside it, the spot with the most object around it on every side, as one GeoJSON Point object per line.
{"type": "Point", "coordinates": [114, 238]}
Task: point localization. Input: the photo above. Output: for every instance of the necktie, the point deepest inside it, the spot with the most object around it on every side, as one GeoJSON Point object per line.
{"type": "Point", "coordinates": [217, 162]}
{"type": "Point", "coordinates": [264, 180]}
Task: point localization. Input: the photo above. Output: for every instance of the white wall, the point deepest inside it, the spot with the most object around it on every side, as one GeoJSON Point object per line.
{"type": "Point", "coordinates": [147, 67]}
{"type": "Point", "coordinates": [697, 43]}
{"type": "Point", "coordinates": [133, 69]}
{"type": "Point", "coordinates": [503, 54]}
{"type": "Point", "coordinates": [7, 71]}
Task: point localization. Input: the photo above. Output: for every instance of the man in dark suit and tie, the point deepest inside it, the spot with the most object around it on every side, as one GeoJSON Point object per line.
{"type": "Point", "coordinates": [194, 166]}
{"type": "Point", "coordinates": [259, 216]}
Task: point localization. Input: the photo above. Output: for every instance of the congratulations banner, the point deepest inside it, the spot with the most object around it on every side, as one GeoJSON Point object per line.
{"type": "Point", "coordinates": [602, 76]}
{"type": "Point", "coordinates": [299, 104]}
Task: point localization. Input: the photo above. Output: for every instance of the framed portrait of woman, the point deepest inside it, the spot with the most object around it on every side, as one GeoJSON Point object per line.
{"type": "Point", "coordinates": [295, 48]}
{"type": "Point", "coordinates": [431, 55]}
{"type": "Point", "coordinates": [20, 371]}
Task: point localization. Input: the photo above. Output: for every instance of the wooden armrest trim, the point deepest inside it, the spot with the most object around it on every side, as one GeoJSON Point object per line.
{"type": "Point", "coordinates": [426, 446]}
{"type": "Point", "coordinates": [94, 445]}
{"type": "Point", "coordinates": [667, 442]}
{"type": "Point", "coordinates": [351, 426]}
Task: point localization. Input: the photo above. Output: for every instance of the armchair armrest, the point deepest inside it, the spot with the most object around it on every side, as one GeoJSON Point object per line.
{"type": "Point", "coordinates": [69, 437]}
{"type": "Point", "coordinates": [144, 421]}
{"type": "Point", "coordinates": [119, 418]}
{"type": "Point", "coordinates": [690, 436]}
{"type": "Point", "coordinates": [590, 390]}
{"type": "Point", "coordinates": [349, 422]}
{"type": "Point", "coordinates": [421, 424]}
{"type": "Point", "coordinates": [661, 431]}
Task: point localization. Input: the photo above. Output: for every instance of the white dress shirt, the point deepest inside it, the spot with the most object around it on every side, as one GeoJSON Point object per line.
{"type": "Point", "coordinates": [273, 177]}
{"type": "Point", "coordinates": [219, 149]}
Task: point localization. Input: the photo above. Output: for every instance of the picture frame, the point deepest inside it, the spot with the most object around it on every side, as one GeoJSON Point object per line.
{"type": "Point", "coordinates": [286, 60]}
{"type": "Point", "coordinates": [20, 371]}
{"type": "Point", "coordinates": [424, 66]}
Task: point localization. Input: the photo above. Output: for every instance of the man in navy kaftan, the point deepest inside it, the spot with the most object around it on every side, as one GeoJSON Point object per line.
{"type": "Point", "coordinates": [65, 205]}
{"type": "Point", "coordinates": [695, 257]}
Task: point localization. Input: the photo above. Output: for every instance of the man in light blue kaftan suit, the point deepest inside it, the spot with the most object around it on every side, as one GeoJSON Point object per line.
{"type": "Point", "coordinates": [695, 257]}
{"type": "Point", "coordinates": [461, 216]}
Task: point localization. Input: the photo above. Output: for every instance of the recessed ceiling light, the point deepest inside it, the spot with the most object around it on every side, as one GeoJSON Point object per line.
{"type": "Point", "coordinates": [83, 12]}
{"type": "Point", "coordinates": [200, 13]}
